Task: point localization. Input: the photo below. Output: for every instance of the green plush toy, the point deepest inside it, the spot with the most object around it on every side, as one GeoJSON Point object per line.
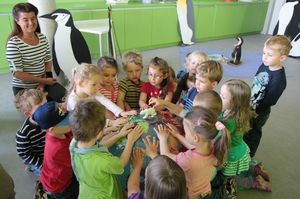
{"type": "Point", "coordinates": [148, 113]}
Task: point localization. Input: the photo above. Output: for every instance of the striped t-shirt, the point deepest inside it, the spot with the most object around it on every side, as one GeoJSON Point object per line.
{"type": "Point", "coordinates": [30, 142]}
{"type": "Point", "coordinates": [27, 58]}
{"type": "Point", "coordinates": [131, 91]}
{"type": "Point", "coordinates": [112, 95]}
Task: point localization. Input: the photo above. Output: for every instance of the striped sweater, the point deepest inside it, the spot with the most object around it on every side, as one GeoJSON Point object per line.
{"type": "Point", "coordinates": [27, 58]}
{"type": "Point", "coordinates": [30, 142]}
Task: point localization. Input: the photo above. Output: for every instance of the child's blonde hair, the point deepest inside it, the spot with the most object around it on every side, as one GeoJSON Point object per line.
{"type": "Point", "coordinates": [132, 57]}
{"type": "Point", "coordinates": [197, 53]}
{"type": "Point", "coordinates": [210, 69]}
{"type": "Point", "coordinates": [204, 123]}
{"type": "Point", "coordinates": [210, 100]}
{"type": "Point", "coordinates": [82, 73]}
{"type": "Point", "coordinates": [280, 43]}
{"type": "Point", "coordinates": [28, 98]}
{"type": "Point", "coordinates": [240, 93]}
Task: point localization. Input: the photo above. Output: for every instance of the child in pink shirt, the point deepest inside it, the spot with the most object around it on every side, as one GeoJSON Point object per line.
{"type": "Point", "coordinates": [209, 141]}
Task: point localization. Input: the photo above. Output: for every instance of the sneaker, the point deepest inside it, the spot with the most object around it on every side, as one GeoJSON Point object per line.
{"type": "Point", "coordinates": [39, 192]}
{"type": "Point", "coordinates": [260, 184]}
{"type": "Point", "coordinates": [231, 188]}
{"type": "Point", "coordinates": [258, 169]}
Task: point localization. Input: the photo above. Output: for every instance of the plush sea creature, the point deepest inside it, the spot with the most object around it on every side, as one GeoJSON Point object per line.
{"type": "Point", "coordinates": [148, 113]}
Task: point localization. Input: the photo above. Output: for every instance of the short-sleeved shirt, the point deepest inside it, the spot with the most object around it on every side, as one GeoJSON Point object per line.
{"type": "Point", "coordinates": [199, 169]}
{"type": "Point", "coordinates": [96, 171]}
{"type": "Point", "coordinates": [189, 98]}
{"type": "Point", "coordinates": [27, 58]}
{"type": "Point", "coordinates": [153, 91]}
{"type": "Point", "coordinates": [131, 91]}
{"type": "Point", "coordinates": [112, 95]}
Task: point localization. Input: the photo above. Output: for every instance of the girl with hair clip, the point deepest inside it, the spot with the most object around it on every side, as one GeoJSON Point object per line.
{"type": "Point", "coordinates": [85, 84]}
{"type": "Point", "coordinates": [208, 141]}
{"type": "Point", "coordinates": [235, 95]}
{"type": "Point", "coordinates": [159, 85]}
{"type": "Point", "coordinates": [108, 84]}
{"type": "Point", "coordinates": [163, 178]}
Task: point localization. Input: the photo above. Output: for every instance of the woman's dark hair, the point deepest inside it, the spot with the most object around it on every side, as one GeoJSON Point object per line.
{"type": "Point", "coordinates": [165, 179]}
{"type": "Point", "coordinates": [107, 61]}
{"type": "Point", "coordinates": [17, 9]}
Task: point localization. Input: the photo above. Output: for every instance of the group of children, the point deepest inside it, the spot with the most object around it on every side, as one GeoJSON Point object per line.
{"type": "Point", "coordinates": [66, 145]}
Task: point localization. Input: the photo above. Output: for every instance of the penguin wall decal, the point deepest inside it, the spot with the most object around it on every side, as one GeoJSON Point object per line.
{"type": "Point", "coordinates": [289, 25]}
{"type": "Point", "coordinates": [69, 46]}
{"type": "Point", "coordinates": [185, 14]}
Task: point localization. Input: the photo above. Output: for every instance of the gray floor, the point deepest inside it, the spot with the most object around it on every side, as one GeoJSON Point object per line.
{"type": "Point", "coordinates": [277, 149]}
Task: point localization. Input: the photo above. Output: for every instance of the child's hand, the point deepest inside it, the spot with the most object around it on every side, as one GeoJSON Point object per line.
{"type": "Point", "coordinates": [127, 128]}
{"type": "Point", "coordinates": [173, 130]}
{"type": "Point", "coordinates": [253, 114]}
{"type": "Point", "coordinates": [135, 133]}
{"type": "Point", "coordinates": [137, 158]}
{"type": "Point", "coordinates": [162, 132]}
{"type": "Point", "coordinates": [151, 146]}
{"type": "Point", "coordinates": [128, 113]}
{"type": "Point", "coordinates": [119, 122]}
{"type": "Point", "coordinates": [156, 102]}
{"type": "Point", "coordinates": [111, 129]}
{"type": "Point", "coordinates": [145, 106]}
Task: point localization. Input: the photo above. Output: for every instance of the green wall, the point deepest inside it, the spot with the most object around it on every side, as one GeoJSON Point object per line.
{"type": "Point", "coordinates": [148, 26]}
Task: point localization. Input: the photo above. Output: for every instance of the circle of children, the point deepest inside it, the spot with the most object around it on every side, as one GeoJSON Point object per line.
{"type": "Point", "coordinates": [67, 145]}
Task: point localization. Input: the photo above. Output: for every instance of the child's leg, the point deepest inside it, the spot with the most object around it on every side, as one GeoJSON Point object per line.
{"type": "Point", "coordinates": [252, 138]}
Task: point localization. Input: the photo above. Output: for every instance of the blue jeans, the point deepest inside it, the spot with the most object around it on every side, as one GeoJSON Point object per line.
{"type": "Point", "coordinates": [34, 169]}
{"type": "Point", "coordinates": [252, 138]}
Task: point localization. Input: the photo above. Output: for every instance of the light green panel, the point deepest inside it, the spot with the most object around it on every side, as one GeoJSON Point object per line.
{"type": "Point", "coordinates": [138, 28]}
{"type": "Point", "coordinates": [5, 22]}
{"type": "Point", "coordinates": [164, 30]}
{"type": "Point", "coordinates": [119, 29]}
{"type": "Point", "coordinates": [229, 19]}
{"type": "Point", "coordinates": [204, 21]}
{"type": "Point", "coordinates": [254, 25]}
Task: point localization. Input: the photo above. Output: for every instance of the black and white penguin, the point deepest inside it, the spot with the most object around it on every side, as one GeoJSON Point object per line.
{"type": "Point", "coordinates": [237, 52]}
{"type": "Point", "coordinates": [69, 46]}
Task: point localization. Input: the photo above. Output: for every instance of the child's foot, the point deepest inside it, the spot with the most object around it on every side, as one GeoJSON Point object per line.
{"type": "Point", "coordinates": [231, 188]}
{"type": "Point", "coordinates": [260, 184]}
{"type": "Point", "coordinates": [39, 192]}
{"type": "Point", "coordinates": [258, 169]}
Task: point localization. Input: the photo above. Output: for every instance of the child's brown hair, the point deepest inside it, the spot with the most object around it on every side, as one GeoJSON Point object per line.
{"type": "Point", "coordinates": [280, 43]}
{"type": "Point", "coordinates": [240, 93]}
{"type": "Point", "coordinates": [210, 69]}
{"type": "Point", "coordinates": [26, 99]}
{"type": "Point", "coordinates": [210, 100]}
{"type": "Point", "coordinates": [132, 57]}
{"type": "Point", "coordinates": [87, 120]}
{"type": "Point", "coordinates": [107, 61]}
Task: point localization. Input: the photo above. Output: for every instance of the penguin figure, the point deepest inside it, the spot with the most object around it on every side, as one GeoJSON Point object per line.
{"type": "Point", "coordinates": [69, 46]}
{"type": "Point", "coordinates": [237, 52]}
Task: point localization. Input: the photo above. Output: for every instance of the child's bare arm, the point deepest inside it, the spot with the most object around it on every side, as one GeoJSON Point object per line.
{"type": "Point", "coordinates": [169, 96]}
{"type": "Point", "coordinates": [173, 131]}
{"type": "Point", "coordinates": [173, 108]}
{"type": "Point", "coordinates": [134, 178]}
{"type": "Point", "coordinates": [121, 100]}
{"type": "Point", "coordinates": [132, 137]}
{"type": "Point", "coordinates": [163, 133]}
{"type": "Point", "coordinates": [143, 100]}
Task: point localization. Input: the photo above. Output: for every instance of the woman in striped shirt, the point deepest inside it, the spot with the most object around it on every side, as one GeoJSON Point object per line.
{"type": "Point", "coordinates": [28, 53]}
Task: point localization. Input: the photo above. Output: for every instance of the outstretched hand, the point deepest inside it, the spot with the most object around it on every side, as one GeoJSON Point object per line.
{"type": "Point", "coordinates": [155, 102]}
{"type": "Point", "coordinates": [151, 146]}
{"type": "Point", "coordinates": [135, 133]}
{"type": "Point", "coordinates": [137, 158]}
{"type": "Point", "coordinates": [162, 132]}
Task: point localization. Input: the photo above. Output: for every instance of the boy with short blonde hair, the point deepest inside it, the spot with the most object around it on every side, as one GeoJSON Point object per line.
{"type": "Point", "coordinates": [129, 87]}
{"type": "Point", "coordinates": [267, 87]}
{"type": "Point", "coordinates": [30, 138]}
